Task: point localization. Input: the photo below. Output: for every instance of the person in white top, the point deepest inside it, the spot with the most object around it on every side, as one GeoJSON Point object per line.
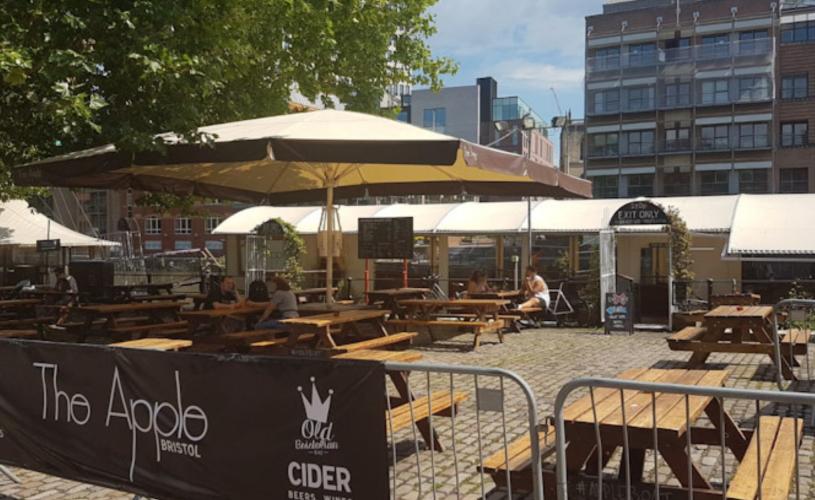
{"type": "Point", "coordinates": [536, 291]}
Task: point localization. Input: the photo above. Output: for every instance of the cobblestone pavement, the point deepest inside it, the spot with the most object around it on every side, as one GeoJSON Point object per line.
{"type": "Point", "coordinates": [546, 359]}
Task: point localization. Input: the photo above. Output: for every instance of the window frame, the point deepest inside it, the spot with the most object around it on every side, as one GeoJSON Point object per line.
{"type": "Point", "coordinates": [716, 91]}
{"type": "Point", "coordinates": [606, 54]}
{"type": "Point", "coordinates": [640, 189]}
{"type": "Point", "coordinates": [209, 226]}
{"type": "Point", "coordinates": [182, 225]}
{"type": "Point", "coordinates": [790, 139]}
{"type": "Point", "coordinates": [715, 46]}
{"type": "Point", "coordinates": [644, 55]}
{"type": "Point", "coordinates": [764, 184]}
{"type": "Point", "coordinates": [152, 225]}
{"type": "Point", "coordinates": [680, 98]}
{"type": "Point", "coordinates": [643, 145]}
{"type": "Point", "coordinates": [603, 188]}
{"type": "Point", "coordinates": [754, 92]}
{"type": "Point", "coordinates": [754, 142]}
{"type": "Point", "coordinates": [758, 44]}
{"type": "Point", "coordinates": [789, 185]}
{"type": "Point", "coordinates": [668, 188]}
{"type": "Point", "coordinates": [645, 98]}
{"type": "Point", "coordinates": [710, 191]}
{"type": "Point", "coordinates": [604, 94]}
{"type": "Point", "coordinates": [684, 143]}
{"type": "Point", "coordinates": [788, 93]}
{"type": "Point", "coordinates": [714, 143]}
{"type": "Point", "coordinates": [607, 148]}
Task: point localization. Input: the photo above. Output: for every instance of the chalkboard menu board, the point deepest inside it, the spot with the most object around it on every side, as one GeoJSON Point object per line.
{"type": "Point", "coordinates": [385, 238]}
{"type": "Point", "coordinates": [639, 213]}
{"type": "Point", "coordinates": [48, 245]}
{"type": "Point", "coordinates": [619, 312]}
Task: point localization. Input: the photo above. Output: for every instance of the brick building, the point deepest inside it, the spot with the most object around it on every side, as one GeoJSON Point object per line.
{"type": "Point", "coordinates": [700, 97]}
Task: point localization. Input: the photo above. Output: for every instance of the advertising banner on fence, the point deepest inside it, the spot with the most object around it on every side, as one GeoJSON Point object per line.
{"type": "Point", "coordinates": [194, 426]}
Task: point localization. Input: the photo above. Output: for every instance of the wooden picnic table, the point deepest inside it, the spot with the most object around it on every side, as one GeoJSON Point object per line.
{"type": "Point", "coordinates": [739, 329]}
{"type": "Point", "coordinates": [158, 314]}
{"type": "Point", "coordinates": [481, 315]}
{"type": "Point", "coordinates": [157, 344]}
{"type": "Point", "coordinates": [312, 294]}
{"type": "Point", "coordinates": [326, 326]}
{"type": "Point", "coordinates": [607, 409]}
{"type": "Point", "coordinates": [158, 297]}
{"type": "Point", "coordinates": [497, 294]}
{"type": "Point", "coordinates": [735, 299]}
{"type": "Point", "coordinates": [217, 318]}
{"type": "Point", "coordinates": [390, 297]}
{"type": "Point", "coordinates": [316, 308]}
{"type": "Point", "coordinates": [18, 303]}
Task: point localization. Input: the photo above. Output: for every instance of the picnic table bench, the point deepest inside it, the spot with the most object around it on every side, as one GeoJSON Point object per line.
{"type": "Point", "coordinates": [157, 344]}
{"type": "Point", "coordinates": [155, 317]}
{"type": "Point", "coordinates": [735, 299]}
{"type": "Point", "coordinates": [430, 313]}
{"type": "Point", "coordinates": [307, 295]}
{"type": "Point", "coordinates": [739, 329]}
{"type": "Point", "coordinates": [239, 341]}
{"type": "Point", "coordinates": [390, 297]}
{"type": "Point", "coordinates": [326, 326]}
{"type": "Point", "coordinates": [216, 319]}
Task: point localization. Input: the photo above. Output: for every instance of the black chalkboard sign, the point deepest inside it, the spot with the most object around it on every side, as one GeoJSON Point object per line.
{"type": "Point", "coordinates": [619, 312]}
{"type": "Point", "coordinates": [48, 245]}
{"type": "Point", "coordinates": [639, 213]}
{"type": "Point", "coordinates": [385, 238]}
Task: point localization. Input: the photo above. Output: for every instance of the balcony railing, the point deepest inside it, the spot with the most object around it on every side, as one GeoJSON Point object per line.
{"type": "Point", "coordinates": [739, 52]}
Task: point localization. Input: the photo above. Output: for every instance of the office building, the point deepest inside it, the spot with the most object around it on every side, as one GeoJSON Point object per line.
{"type": "Point", "coordinates": [700, 98]}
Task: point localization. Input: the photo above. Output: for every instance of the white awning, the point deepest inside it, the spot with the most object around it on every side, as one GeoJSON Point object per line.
{"type": "Point", "coordinates": [23, 226]}
{"type": "Point", "coordinates": [780, 225]}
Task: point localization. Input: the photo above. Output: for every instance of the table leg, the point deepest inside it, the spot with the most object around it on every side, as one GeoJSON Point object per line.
{"type": "Point", "coordinates": [399, 380]}
{"type": "Point", "coordinates": [675, 455]}
{"type": "Point", "coordinates": [592, 465]}
{"type": "Point", "coordinates": [763, 336]}
{"type": "Point", "coordinates": [579, 450]}
{"type": "Point", "coordinates": [733, 437]}
{"type": "Point", "coordinates": [637, 462]}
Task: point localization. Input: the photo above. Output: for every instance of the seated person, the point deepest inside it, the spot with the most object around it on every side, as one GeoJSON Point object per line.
{"type": "Point", "coordinates": [282, 305]}
{"type": "Point", "coordinates": [223, 296]}
{"type": "Point", "coordinates": [536, 291]}
{"type": "Point", "coordinates": [66, 284]}
{"type": "Point", "coordinates": [477, 283]}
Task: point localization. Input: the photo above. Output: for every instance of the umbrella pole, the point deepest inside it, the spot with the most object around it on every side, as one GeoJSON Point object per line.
{"type": "Point", "coordinates": [329, 259]}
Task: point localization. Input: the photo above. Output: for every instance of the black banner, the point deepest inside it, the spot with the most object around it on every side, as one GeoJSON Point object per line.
{"type": "Point", "coordinates": [195, 426]}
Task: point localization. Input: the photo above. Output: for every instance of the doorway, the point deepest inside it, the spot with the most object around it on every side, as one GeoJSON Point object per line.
{"type": "Point", "coordinates": [653, 285]}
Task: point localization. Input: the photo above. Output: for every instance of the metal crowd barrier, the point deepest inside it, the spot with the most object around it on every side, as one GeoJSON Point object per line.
{"type": "Point", "coordinates": [470, 433]}
{"type": "Point", "coordinates": [796, 402]}
{"type": "Point", "coordinates": [790, 305]}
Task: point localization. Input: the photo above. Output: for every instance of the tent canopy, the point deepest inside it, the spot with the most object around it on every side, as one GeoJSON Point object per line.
{"type": "Point", "coordinates": [779, 225]}
{"type": "Point", "coordinates": [22, 226]}
{"type": "Point", "coordinates": [292, 158]}
{"type": "Point", "coordinates": [710, 214]}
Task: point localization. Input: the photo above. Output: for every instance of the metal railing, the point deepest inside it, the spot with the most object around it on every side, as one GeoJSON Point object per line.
{"type": "Point", "coordinates": [795, 400]}
{"type": "Point", "coordinates": [489, 416]}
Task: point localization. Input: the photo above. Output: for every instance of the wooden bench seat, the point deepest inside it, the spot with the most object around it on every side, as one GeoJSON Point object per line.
{"type": "Point", "coordinates": [174, 327]}
{"type": "Point", "coordinates": [448, 322]}
{"type": "Point", "coordinates": [439, 402]}
{"type": "Point", "coordinates": [684, 339]}
{"type": "Point", "coordinates": [407, 356]}
{"type": "Point", "coordinates": [777, 454]}
{"type": "Point", "coordinates": [16, 323]}
{"type": "Point", "coordinates": [19, 334]}
{"type": "Point", "coordinates": [796, 339]}
{"type": "Point", "coordinates": [519, 454]}
{"type": "Point", "coordinates": [240, 338]}
{"type": "Point", "coordinates": [378, 342]}
{"type": "Point", "coordinates": [262, 345]}
{"type": "Point", "coordinates": [157, 344]}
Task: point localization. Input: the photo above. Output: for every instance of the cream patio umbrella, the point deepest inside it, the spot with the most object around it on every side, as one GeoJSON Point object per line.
{"type": "Point", "coordinates": [306, 157]}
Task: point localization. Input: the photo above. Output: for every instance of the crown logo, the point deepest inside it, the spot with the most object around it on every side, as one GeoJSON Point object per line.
{"type": "Point", "coordinates": [316, 409]}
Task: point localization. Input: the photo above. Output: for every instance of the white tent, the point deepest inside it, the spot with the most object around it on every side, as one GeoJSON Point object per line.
{"type": "Point", "coordinates": [21, 225]}
{"type": "Point", "coordinates": [780, 225]}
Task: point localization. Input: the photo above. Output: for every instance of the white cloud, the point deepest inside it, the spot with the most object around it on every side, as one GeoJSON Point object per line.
{"type": "Point", "coordinates": [529, 74]}
{"type": "Point", "coordinates": [467, 27]}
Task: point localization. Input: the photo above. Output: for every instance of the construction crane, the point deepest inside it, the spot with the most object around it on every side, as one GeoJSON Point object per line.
{"type": "Point", "coordinates": [557, 101]}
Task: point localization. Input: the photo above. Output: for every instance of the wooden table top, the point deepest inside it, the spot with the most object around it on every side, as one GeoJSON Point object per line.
{"type": "Point", "coordinates": [740, 312]}
{"type": "Point", "coordinates": [245, 309]}
{"type": "Point", "coordinates": [129, 307]}
{"type": "Point", "coordinates": [396, 292]}
{"type": "Point", "coordinates": [670, 408]}
{"type": "Point", "coordinates": [156, 344]}
{"type": "Point", "coordinates": [18, 302]}
{"type": "Point", "coordinates": [319, 307]}
{"type": "Point", "coordinates": [497, 294]}
{"type": "Point", "coordinates": [380, 355]}
{"type": "Point", "coordinates": [313, 291]}
{"type": "Point", "coordinates": [337, 318]}
{"type": "Point", "coordinates": [476, 303]}
{"type": "Point", "coordinates": [161, 296]}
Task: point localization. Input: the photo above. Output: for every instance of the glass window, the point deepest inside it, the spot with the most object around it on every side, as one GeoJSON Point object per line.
{"type": "Point", "coordinates": [754, 135]}
{"type": "Point", "coordinates": [604, 144]}
{"type": "Point", "coordinates": [676, 184]}
{"type": "Point", "coordinates": [214, 245]}
{"type": "Point", "coordinates": [677, 139]}
{"type": "Point", "coordinates": [794, 86]}
{"type": "Point", "coordinates": [605, 186]}
{"type": "Point", "coordinates": [587, 252]}
{"type": "Point", "coordinates": [212, 223]}
{"type": "Point", "coordinates": [435, 119]}
{"type": "Point", "coordinates": [152, 225]}
{"type": "Point", "coordinates": [152, 245]}
{"type": "Point", "coordinates": [640, 185]}
{"type": "Point", "coordinates": [183, 245]}
{"type": "Point", "coordinates": [715, 46]}
{"type": "Point", "coordinates": [606, 59]}
{"type": "Point", "coordinates": [642, 54]}
{"type": "Point", "coordinates": [551, 256]}
{"type": "Point", "coordinates": [606, 101]}
{"type": "Point", "coordinates": [754, 42]}
{"type": "Point", "coordinates": [754, 88]}
{"type": "Point", "coordinates": [714, 137]}
{"type": "Point", "coordinates": [798, 32]}
{"type": "Point", "coordinates": [715, 182]}
{"type": "Point", "coordinates": [639, 98]}
{"type": "Point", "coordinates": [754, 180]}
{"type": "Point", "coordinates": [677, 49]}
{"type": "Point", "coordinates": [793, 180]}
{"type": "Point", "coordinates": [794, 134]}
{"type": "Point", "coordinates": [638, 142]}
{"type": "Point", "coordinates": [677, 94]}
{"type": "Point", "coordinates": [183, 225]}
{"type": "Point", "coordinates": [715, 91]}
{"type": "Point", "coordinates": [403, 116]}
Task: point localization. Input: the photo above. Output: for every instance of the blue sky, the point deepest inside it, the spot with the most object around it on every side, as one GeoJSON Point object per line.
{"type": "Point", "coordinates": [528, 46]}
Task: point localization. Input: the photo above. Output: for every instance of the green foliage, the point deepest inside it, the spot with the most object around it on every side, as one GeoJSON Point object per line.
{"type": "Point", "coordinates": [591, 290]}
{"type": "Point", "coordinates": [164, 203]}
{"type": "Point", "coordinates": [680, 246]}
{"type": "Point", "coordinates": [294, 249]}
{"type": "Point", "coordinates": [82, 73]}
{"type": "Point", "coordinates": [798, 291]}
